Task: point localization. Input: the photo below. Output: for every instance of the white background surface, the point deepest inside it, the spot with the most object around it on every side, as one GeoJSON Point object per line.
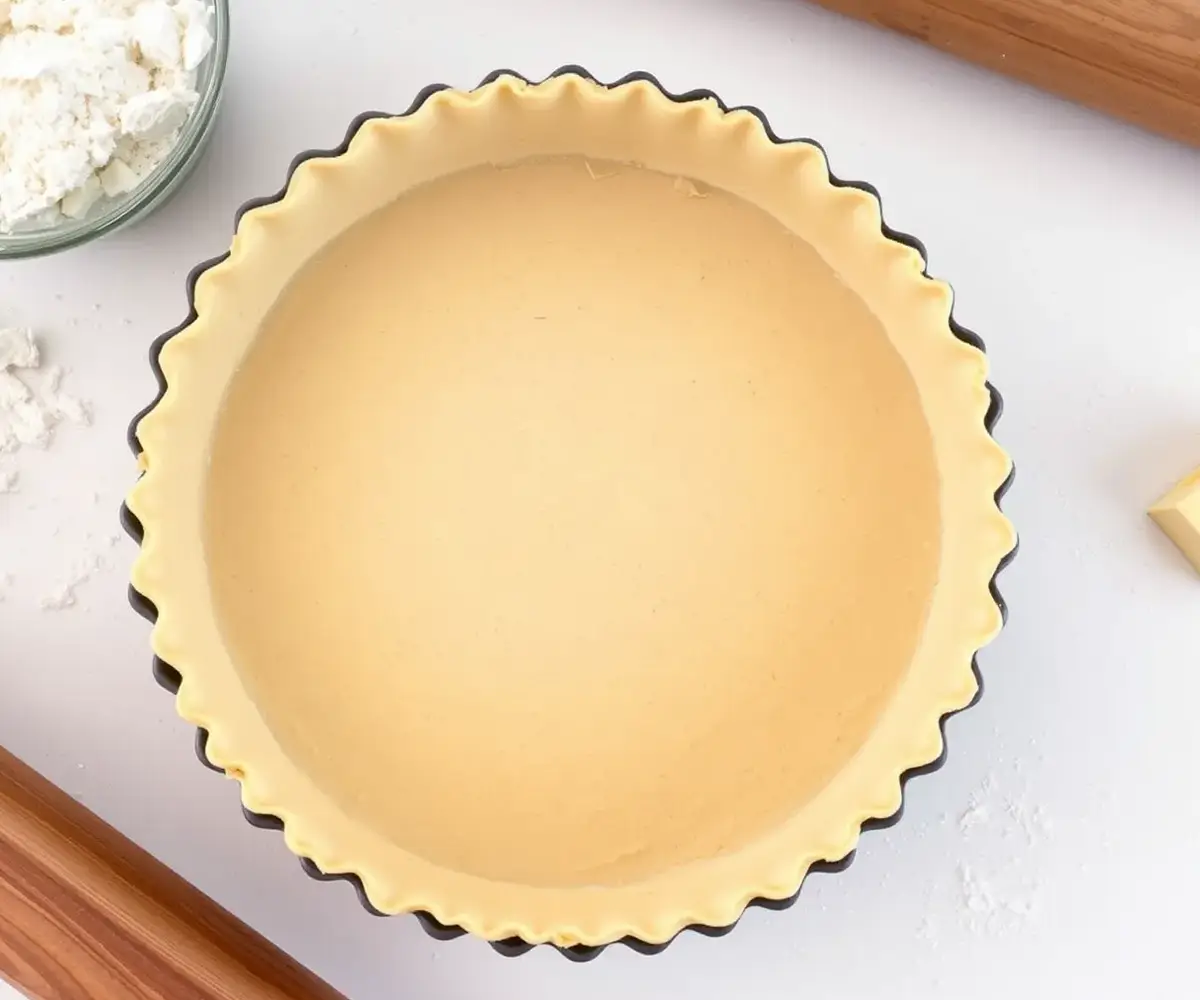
{"type": "Point", "coordinates": [1073, 243]}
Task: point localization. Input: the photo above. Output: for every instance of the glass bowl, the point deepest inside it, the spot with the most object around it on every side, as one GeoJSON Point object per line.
{"type": "Point", "coordinates": [156, 188]}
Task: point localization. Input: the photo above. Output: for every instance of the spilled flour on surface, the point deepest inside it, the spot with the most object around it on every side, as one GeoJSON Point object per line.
{"type": "Point", "coordinates": [1001, 897]}
{"type": "Point", "coordinates": [1008, 813]}
{"type": "Point", "coordinates": [32, 401]}
{"type": "Point", "coordinates": [977, 895]}
{"type": "Point", "coordinates": [66, 595]}
{"type": "Point", "coordinates": [1033, 822]}
{"type": "Point", "coordinates": [992, 902]}
{"type": "Point", "coordinates": [993, 887]}
{"type": "Point", "coordinates": [34, 405]}
{"type": "Point", "coordinates": [977, 811]}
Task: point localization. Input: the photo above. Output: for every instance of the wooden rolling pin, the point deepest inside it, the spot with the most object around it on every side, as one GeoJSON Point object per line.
{"type": "Point", "coordinates": [86, 915]}
{"type": "Point", "coordinates": [1136, 59]}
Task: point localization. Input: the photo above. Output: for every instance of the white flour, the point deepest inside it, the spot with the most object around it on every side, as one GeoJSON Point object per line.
{"type": "Point", "coordinates": [998, 898]}
{"type": "Point", "coordinates": [994, 885]}
{"type": "Point", "coordinates": [977, 811]}
{"type": "Point", "coordinates": [93, 94]}
{"type": "Point", "coordinates": [32, 402]}
{"type": "Point", "coordinates": [66, 594]}
{"type": "Point", "coordinates": [32, 405]}
{"type": "Point", "coordinates": [995, 902]}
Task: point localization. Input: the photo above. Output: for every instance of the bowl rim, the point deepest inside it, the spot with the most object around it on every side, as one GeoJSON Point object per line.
{"type": "Point", "coordinates": [518, 943]}
{"type": "Point", "coordinates": [156, 186]}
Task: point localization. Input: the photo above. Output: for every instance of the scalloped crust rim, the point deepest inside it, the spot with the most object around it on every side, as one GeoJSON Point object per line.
{"type": "Point", "coordinates": [172, 680]}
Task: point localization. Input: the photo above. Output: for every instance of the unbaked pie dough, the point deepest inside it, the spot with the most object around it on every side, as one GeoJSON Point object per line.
{"type": "Point", "coordinates": [570, 513]}
{"type": "Point", "coordinates": [549, 503]}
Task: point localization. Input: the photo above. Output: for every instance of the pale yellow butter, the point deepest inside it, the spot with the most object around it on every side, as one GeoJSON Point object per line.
{"type": "Point", "coordinates": [1178, 514]}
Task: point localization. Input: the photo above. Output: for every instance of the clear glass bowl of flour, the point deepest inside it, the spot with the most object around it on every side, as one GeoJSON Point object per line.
{"type": "Point", "coordinates": [110, 213]}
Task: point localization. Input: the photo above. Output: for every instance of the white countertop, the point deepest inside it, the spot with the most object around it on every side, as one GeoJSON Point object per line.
{"type": "Point", "coordinates": [1056, 851]}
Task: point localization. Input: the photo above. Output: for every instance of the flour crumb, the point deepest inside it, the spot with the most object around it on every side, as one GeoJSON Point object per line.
{"type": "Point", "coordinates": [977, 895]}
{"type": "Point", "coordinates": [32, 401]}
{"type": "Point", "coordinates": [61, 599]}
{"type": "Point", "coordinates": [63, 405]}
{"type": "Point", "coordinates": [1016, 815]}
{"type": "Point", "coordinates": [986, 907]}
{"type": "Point", "coordinates": [978, 811]}
{"type": "Point", "coordinates": [66, 595]}
{"type": "Point", "coordinates": [927, 930]}
{"type": "Point", "coordinates": [1033, 823]}
{"type": "Point", "coordinates": [975, 814]}
{"type": "Point", "coordinates": [94, 561]}
{"type": "Point", "coordinates": [10, 482]}
{"type": "Point", "coordinates": [18, 349]}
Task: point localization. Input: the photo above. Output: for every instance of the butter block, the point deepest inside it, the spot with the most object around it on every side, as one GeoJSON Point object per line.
{"type": "Point", "coordinates": [1178, 514]}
